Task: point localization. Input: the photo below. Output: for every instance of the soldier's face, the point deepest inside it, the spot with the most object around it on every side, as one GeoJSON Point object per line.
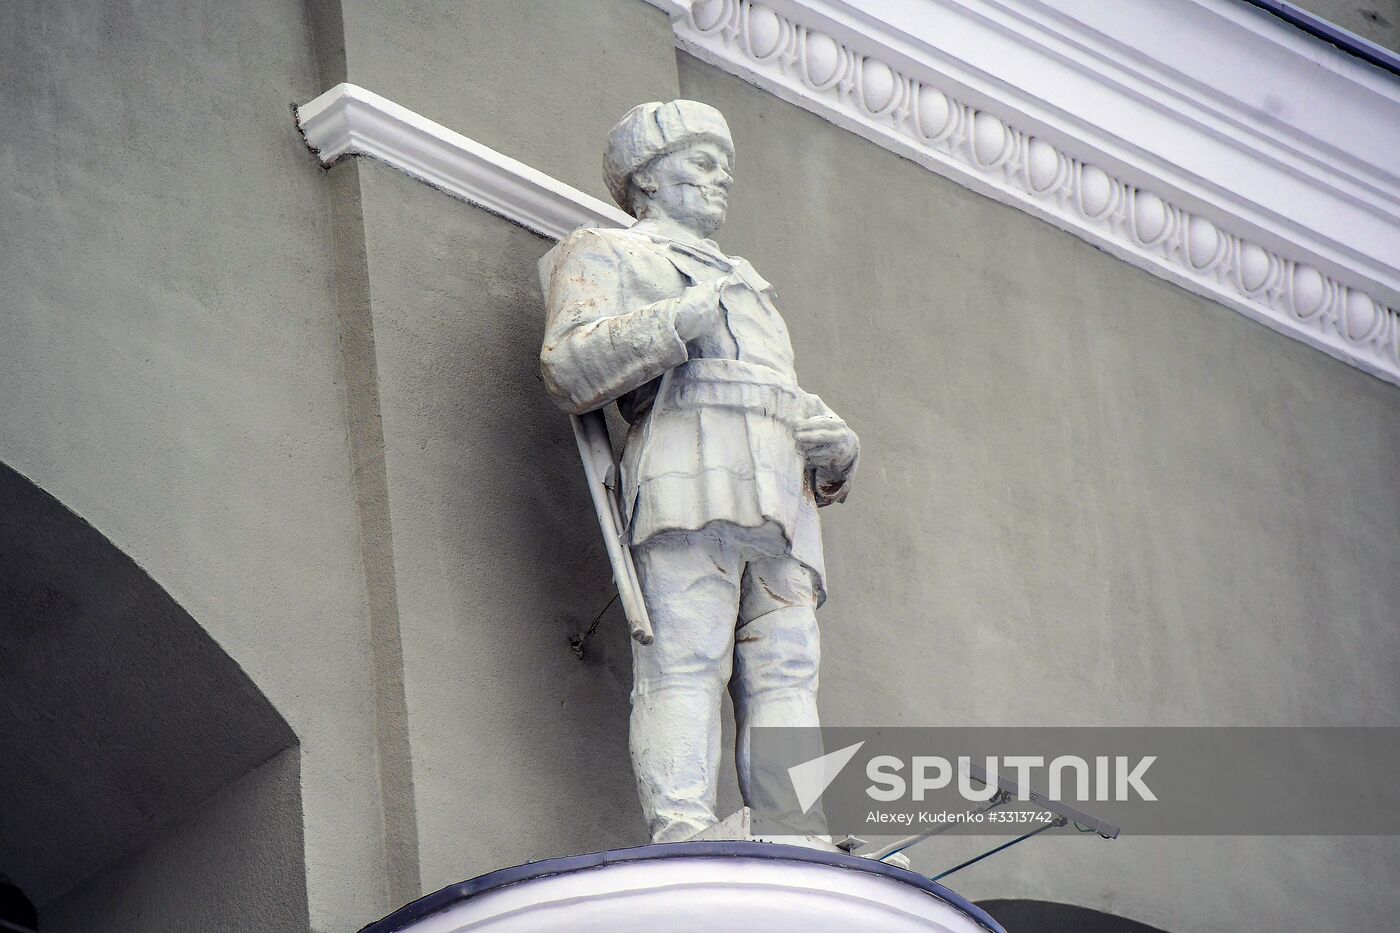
{"type": "Point", "coordinates": [692, 185]}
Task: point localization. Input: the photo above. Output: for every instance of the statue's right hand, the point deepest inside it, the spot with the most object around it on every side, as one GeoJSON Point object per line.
{"type": "Point", "coordinates": [698, 309]}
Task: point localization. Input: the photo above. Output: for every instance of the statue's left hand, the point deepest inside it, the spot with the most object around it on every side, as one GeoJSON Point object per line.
{"type": "Point", "coordinates": [830, 445]}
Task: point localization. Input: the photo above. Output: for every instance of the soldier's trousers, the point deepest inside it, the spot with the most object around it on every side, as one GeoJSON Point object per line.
{"type": "Point", "coordinates": [720, 604]}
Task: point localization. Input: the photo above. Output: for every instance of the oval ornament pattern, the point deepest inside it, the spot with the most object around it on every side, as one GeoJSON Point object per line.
{"type": "Point", "coordinates": [904, 104]}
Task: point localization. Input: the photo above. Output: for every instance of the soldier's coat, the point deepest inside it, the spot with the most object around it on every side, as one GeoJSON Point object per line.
{"type": "Point", "coordinates": [712, 420]}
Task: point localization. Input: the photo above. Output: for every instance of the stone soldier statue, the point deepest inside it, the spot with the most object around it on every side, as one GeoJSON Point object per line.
{"type": "Point", "coordinates": [725, 464]}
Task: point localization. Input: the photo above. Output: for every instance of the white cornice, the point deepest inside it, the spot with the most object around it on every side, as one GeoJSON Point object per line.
{"type": "Point", "coordinates": [348, 120]}
{"type": "Point", "coordinates": [1202, 140]}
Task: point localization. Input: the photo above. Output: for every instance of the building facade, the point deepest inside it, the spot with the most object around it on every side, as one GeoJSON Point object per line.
{"type": "Point", "coordinates": [295, 541]}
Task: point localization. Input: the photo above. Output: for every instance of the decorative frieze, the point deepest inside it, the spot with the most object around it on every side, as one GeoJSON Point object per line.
{"type": "Point", "coordinates": [897, 100]}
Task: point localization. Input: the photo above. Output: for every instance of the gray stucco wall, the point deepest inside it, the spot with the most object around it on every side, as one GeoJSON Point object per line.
{"type": "Point", "coordinates": [519, 750]}
{"type": "Point", "coordinates": [170, 364]}
{"type": "Point", "coordinates": [1087, 497]}
{"type": "Point", "coordinates": [526, 77]}
{"type": "Point", "coordinates": [1067, 461]}
{"type": "Point", "coordinates": [1375, 20]}
{"type": "Point", "coordinates": [233, 866]}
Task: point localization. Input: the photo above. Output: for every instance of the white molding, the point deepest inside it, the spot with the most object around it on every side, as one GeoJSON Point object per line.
{"type": "Point", "coordinates": [1202, 140]}
{"type": "Point", "coordinates": [349, 120]}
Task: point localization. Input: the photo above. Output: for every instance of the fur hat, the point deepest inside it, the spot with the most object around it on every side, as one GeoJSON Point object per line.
{"type": "Point", "coordinates": [654, 129]}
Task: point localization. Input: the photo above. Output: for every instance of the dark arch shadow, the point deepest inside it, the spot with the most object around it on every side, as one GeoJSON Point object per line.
{"type": "Point", "coordinates": [1021, 916]}
{"type": "Point", "coordinates": [119, 715]}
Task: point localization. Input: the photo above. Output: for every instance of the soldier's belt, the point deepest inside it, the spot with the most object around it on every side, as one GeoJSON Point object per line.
{"type": "Point", "coordinates": [739, 385]}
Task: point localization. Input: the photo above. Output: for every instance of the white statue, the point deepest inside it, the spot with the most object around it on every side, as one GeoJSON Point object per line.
{"type": "Point", "coordinates": [726, 461]}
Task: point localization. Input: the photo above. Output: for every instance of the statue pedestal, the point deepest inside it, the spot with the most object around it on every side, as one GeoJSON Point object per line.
{"type": "Point", "coordinates": [695, 887]}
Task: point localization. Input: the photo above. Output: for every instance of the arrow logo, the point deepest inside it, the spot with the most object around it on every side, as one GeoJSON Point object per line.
{"type": "Point", "coordinates": [811, 778]}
